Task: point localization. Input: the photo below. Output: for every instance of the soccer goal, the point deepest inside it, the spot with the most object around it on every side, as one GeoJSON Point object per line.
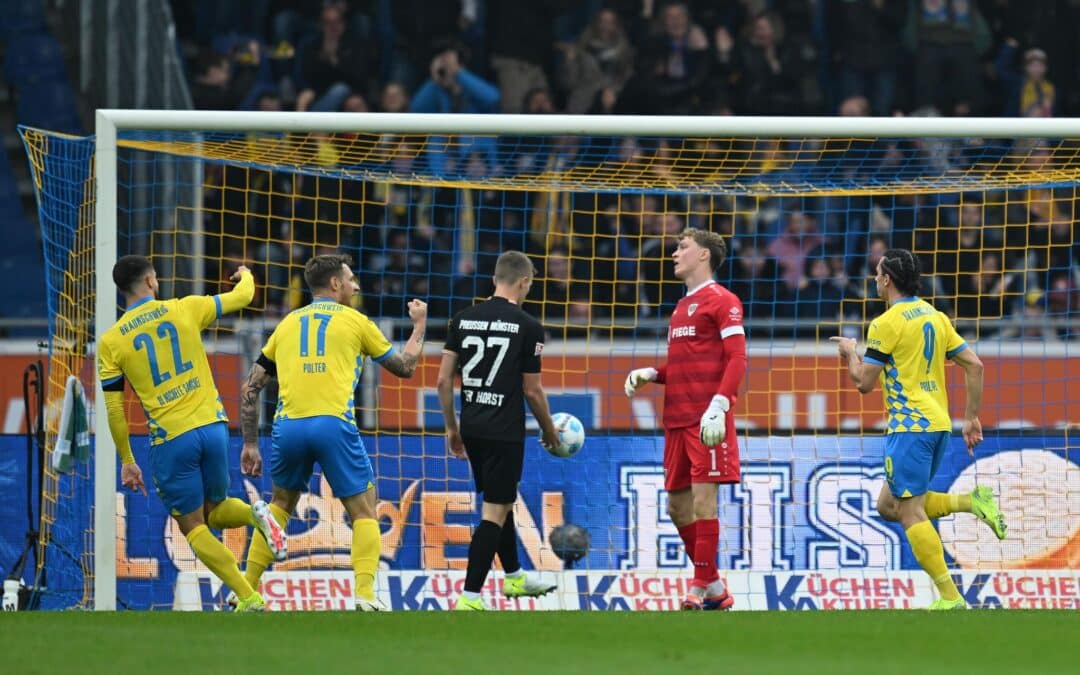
{"type": "Point", "coordinates": [425, 203]}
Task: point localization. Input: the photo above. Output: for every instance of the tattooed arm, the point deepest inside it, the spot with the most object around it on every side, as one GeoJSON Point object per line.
{"type": "Point", "coordinates": [258, 377]}
{"type": "Point", "coordinates": [403, 364]}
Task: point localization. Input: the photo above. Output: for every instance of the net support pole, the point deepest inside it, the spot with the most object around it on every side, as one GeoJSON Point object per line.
{"type": "Point", "coordinates": [104, 315]}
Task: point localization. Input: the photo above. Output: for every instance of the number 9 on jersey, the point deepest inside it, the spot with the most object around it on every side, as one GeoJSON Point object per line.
{"type": "Point", "coordinates": [571, 434]}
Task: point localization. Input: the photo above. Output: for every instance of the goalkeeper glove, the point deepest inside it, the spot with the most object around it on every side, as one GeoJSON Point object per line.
{"type": "Point", "coordinates": [714, 421]}
{"type": "Point", "coordinates": [637, 378]}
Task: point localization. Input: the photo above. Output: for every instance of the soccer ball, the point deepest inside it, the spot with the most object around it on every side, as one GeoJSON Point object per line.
{"type": "Point", "coordinates": [572, 436]}
{"type": "Point", "coordinates": [570, 542]}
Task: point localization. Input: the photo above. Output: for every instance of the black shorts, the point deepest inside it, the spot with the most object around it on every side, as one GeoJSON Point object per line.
{"type": "Point", "coordinates": [496, 466]}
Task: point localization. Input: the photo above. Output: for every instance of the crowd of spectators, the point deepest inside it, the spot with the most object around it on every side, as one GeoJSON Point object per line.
{"type": "Point", "coordinates": [800, 260]}
{"type": "Point", "coordinates": [789, 57]}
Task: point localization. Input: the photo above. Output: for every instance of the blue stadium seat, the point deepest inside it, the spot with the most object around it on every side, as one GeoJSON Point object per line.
{"type": "Point", "coordinates": [21, 17]}
{"type": "Point", "coordinates": [9, 189]}
{"type": "Point", "coordinates": [33, 58]}
{"type": "Point", "coordinates": [49, 105]}
{"type": "Point", "coordinates": [21, 266]}
{"type": "Point", "coordinates": [5, 163]}
{"type": "Point", "coordinates": [9, 198]}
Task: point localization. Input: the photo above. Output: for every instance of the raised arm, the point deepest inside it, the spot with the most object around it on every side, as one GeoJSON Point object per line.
{"type": "Point", "coordinates": [240, 296]}
{"type": "Point", "coordinates": [403, 364]}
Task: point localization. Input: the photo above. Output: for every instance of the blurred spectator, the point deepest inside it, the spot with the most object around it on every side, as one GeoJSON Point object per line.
{"type": "Point", "coordinates": [767, 69]}
{"type": "Point", "coordinates": [598, 65]}
{"type": "Point", "coordinates": [212, 88]}
{"type": "Point", "coordinates": [331, 65]}
{"type": "Point", "coordinates": [674, 65]}
{"type": "Point", "coordinates": [854, 106]}
{"type": "Point", "coordinates": [454, 89]}
{"type": "Point", "coordinates": [268, 101]}
{"type": "Point", "coordinates": [987, 293]}
{"type": "Point", "coordinates": [958, 249]}
{"type": "Point", "coordinates": [521, 38]}
{"type": "Point", "coordinates": [394, 98]}
{"type": "Point", "coordinates": [861, 300]}
{"type": "Point", "coordinates": [818, 295]}
{"type": "Point", "coordinates": [753, 280]}
{"type": "Point", "coordinates": [865, 38]}
{"type": "Point", "coordinates": [407, 29]}
{"type": "Point", "coordinates": [578, 314]}
{"type": "Point", "coordinates": [1063, 299]}
{"type": "Point", "coordinates": [355, 103]}
{"type": "Point", "coordinates": [660, 290]}
{"type": "Point", "coordinates": [538, 102]}
{"type": "Point", "coordinates": [947, 37]}
{"type": "Point", "coordinates": [1048, 252]}
{"type": "Point", "coordinates": [557, 288]}
{"type": "Point", "coordinates": [1027, 94]}
{"type": "Point", "coordinates": [799, 237]}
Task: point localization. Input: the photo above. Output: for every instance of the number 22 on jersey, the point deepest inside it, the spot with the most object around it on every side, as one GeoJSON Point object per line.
{"type": "Point", "coordinates": [144, 342]}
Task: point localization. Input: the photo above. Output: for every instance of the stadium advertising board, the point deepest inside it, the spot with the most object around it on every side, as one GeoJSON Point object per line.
{"type": "Point", "coordinates": [799, 532]}
{"type": "Point", "coordinates": [655, 591]}
{"type": "Point", "coordinates": [802, 390]}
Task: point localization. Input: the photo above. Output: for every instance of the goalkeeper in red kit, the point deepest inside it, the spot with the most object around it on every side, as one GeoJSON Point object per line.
{"type": "Point", "coordinates": [706, 361]}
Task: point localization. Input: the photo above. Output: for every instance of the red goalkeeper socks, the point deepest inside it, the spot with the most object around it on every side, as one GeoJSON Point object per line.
{"type": "Point", "coordinates": [706, 544]}
{"type": "Point", "coordinates": [689, 539]}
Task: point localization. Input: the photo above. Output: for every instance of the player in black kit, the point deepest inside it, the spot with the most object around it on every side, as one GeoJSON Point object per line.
{"type": "Point", "coordinates": [496, 347]}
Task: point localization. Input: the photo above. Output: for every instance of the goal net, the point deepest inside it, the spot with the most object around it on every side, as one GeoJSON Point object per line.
{"type": "Point", "coordinates": [425, 204]}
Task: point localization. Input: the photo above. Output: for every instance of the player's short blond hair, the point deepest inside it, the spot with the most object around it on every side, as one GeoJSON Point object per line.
{"type": "Point", "coordinates": [512, 267]}
{"type": "Point", "coordinates": [710, 241]}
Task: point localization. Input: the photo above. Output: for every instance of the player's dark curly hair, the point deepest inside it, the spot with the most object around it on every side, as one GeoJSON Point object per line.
{"type": "Point", "coordinates": [710, 240]}
{"type": "Point", "coordinates": [130, 270]}
{"type": "Point", "coordinates": [902, 266]}
{"type": "Point", "coordinates": [319, 270]}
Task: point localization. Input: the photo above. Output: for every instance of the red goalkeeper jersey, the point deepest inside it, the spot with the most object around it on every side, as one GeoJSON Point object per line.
{"type": "Point", "coordinates": [700, 353]}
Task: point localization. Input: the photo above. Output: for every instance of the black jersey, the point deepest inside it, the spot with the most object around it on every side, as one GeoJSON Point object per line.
{"type": "Point", "coordinates": [496, 342]}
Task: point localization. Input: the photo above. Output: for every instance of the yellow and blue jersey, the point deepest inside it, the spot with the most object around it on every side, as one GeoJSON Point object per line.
{"type": "Point", "coordinates": [157, 347]}
{"type": "Point", "coordinates": [911, 341]}
{"type": "Point", "coordinates": [318, 353]}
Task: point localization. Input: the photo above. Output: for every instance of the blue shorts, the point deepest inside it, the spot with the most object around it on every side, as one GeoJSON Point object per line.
{"type": "Point", "coordinates": [192, 468]}
{"type": "Point", "coordinates": [332, 442]}
{"type": "Point", "coordinates": [911, 460]}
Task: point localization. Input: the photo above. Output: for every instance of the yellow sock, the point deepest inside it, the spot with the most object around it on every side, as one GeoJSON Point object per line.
{"type": "Point", "coordinates": [940, 504]}
{"type": "Point", "coordinates": [230, 513]}
{"type": "Point", "coordinates": [219, 559]}
{"type": "Point", "coordinates": [259, 556]}
{"type": "Point", "coordinates": [366, 542]}
{"type": "Point", "coordinates": [926, 544]}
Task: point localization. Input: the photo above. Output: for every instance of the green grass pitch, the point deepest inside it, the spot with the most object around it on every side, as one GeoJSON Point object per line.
{"type": "Point", "coordinates": [552, 643]}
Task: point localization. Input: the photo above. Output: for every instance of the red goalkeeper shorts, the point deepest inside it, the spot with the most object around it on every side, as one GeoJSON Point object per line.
{"type": "Point", "coordinates": [687, 460]}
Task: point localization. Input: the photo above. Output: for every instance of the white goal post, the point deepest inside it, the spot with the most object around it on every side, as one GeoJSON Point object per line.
{"type": "Point", "coordinates": [110, 122]}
